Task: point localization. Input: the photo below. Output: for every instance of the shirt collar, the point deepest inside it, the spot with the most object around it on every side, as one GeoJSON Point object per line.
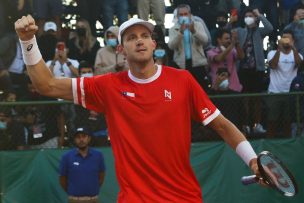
{"type": "Point", "coordinates": [148, 80]}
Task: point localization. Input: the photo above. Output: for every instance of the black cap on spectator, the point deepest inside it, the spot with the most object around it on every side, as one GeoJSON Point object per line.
{"type": "Point", "coordinates": [82, 130]}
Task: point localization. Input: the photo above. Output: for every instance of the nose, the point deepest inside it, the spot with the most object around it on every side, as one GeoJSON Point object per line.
{"type": "Point", "coordinates": [139, 42]}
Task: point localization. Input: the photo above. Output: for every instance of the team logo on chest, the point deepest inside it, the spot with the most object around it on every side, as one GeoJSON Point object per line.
{"type": "Point", "coordinates": [168, 95]}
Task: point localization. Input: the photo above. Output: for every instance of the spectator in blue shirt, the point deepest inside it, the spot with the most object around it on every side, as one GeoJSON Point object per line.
{"type": "Point", "coordinates": [82, 170]}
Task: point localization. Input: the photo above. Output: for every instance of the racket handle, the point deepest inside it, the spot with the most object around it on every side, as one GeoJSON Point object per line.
{"type": "Point", "coordinates": [246, 180]}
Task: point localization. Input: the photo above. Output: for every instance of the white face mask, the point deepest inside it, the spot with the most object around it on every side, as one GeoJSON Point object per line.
{"type": "Point", "coordinates": [87, 75]}
{"type": "Point", "coordinates": [249, 20]}
{"type": "Point", "coordinates": [223, 48]}
{"type": "Point", "coordinates": [224, 85]}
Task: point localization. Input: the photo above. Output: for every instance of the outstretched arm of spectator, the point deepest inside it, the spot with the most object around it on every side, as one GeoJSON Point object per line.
{"type": "Point", "coordinates": [40, 75]}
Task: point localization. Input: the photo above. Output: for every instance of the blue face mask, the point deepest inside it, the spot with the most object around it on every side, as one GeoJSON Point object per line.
{"type": "Point", "coordinates": [159, 53]}
{"type": "Point", "coordinates": [3, 125]}
{"type": "Point", "coordinates": [112, 42]}
{"type": "Point", "coordinates": [87, 75]}
{"type": "Point", "coordinates": [184, 20]}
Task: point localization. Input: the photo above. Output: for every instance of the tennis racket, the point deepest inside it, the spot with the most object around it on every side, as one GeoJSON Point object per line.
{"type": "Point", "coordinates": [274, 173]}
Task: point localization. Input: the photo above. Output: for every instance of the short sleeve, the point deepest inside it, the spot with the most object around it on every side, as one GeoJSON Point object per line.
{"type": "Point", "coordinates": [203, 110]}
{"type": "Point", "coordinates": [90, 92]}
{"type": "Point", "coordinates": [63, 166]}
{"type": "Point", "coordinates": [270, 55]}
{"type": "Point", "coordinates": [102, 166]}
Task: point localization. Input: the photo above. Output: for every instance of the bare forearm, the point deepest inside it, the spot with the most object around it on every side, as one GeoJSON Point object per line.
{"type": "Point", "coordinates": [40, 76]}
{"type": "Point", "coordinates": [228, 131]}
{"type": "Point", "coordinates": [273, 63]}
{"type": "Point", "coordinates": [297, 58]}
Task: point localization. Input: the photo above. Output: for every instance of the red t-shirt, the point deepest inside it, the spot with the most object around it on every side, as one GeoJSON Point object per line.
{"type": "Point", "coordinates": [149, 123]}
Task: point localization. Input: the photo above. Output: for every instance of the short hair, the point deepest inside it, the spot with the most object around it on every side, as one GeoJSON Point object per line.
{"type": "Point", "coordinates": [247, 10]}
{"type": "Point", "coordinates": [288, 31]}
{"type": "Point", "coordinates": [222, 13]}
{"type": "Point", "coordinates": [183, 6]}
{"type": "Point", "coordinates": [84, 64]}
{"type": "Point", "coordinates": [220, 32]}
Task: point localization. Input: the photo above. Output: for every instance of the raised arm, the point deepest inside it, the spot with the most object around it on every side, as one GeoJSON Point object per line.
{"type": "Point", "coordinates": [39, 73]}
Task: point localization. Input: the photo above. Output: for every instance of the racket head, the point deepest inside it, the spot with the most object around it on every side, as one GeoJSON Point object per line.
{"type": "Point", "coordinates": [276, 174]}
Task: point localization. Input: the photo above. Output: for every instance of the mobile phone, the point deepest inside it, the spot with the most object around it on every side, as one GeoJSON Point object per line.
{"type": "Point", "coordinates": [234, 12]}
{"type": "Point", "coordinates": [60, 46]}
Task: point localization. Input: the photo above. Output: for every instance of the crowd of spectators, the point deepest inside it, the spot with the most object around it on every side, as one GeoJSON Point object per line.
{"type": "Point", "coordinates": [220, 42]}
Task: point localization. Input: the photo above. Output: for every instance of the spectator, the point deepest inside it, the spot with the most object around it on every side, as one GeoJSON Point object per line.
{"type": "Point", "coordinates": [158, 10]}
{"type": "Point", "coordinates": [13, 60]}
{"type": "Point", "coordinates": [40, 120]}
{"type": "Point", "coordinates": [297, 85]}
{"type": "Point", "coordinates": [283, 64]}
{"type": "Point", "coordinates": [63, 67]}
{"type": "Point", "coordinates": [12, 131]}
{"type": "Point", "coordinates": [91, 11]}
{"type": "Point", "coordinates": [222, 23]}
{"type": "Point", "coordinates": [296, 26]}
{"type": "Point", "coordinates": [252, 67]}
{"type": "Point", "coordinates": [201, 8]}
{"type": "Point", "coordinates": [108, 59]}
{"type": "Point", "coordinates": [286, 7]}
{"type": "Point", "coordinates": [111, 8]}
{"type": "Point", "coordinates": [48, 10]}
{"type": "Point", "coordinates": [48, 40]}
{"type": "Point", "coordinates": [230, 106]}
{"type": "Point", "coordinates": [270, 8]}
{"type": "Point", "coordinates": [82, 170]}
{"type": "Point", "coordinates": [226, 55]}
{"type": "Point", "coordinates": [94, 121]}
{"type": "Point", "coordinates": [83, 46]}
{"type": "Point", "coordinates": [187, 39]}
{"type": "Point", "coordinates": [162, 54]}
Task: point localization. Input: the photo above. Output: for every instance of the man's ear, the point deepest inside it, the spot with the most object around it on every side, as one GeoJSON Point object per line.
{"type": "Point", "coordinates": [154, 44]}
{"type": "Point", "coordinates": [120, 49]}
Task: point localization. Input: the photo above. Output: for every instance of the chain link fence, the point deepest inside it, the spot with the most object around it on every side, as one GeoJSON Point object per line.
{"type": "Point", "coordinates": [51, 124]}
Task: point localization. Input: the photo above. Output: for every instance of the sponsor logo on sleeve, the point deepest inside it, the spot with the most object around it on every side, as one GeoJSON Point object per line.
{"type": "Point", "coordinates": [206, 112]}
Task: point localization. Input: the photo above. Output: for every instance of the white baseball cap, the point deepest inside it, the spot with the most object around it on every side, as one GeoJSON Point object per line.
{"type": "Point", "coordinates": [131, 22]}
{"type": "Point", "coordinates": [50, 26]}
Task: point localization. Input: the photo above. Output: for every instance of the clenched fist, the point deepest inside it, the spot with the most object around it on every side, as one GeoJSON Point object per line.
{"type": "Point", "coordinates": [25, 28]}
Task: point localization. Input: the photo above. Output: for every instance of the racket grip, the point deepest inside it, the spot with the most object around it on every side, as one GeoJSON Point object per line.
{"type": "Point", "coordinates": [246, 180]}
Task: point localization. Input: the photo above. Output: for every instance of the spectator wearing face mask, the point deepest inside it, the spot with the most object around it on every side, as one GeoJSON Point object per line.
{"type": "Point", "coordinates": [297, 26]}
{"type": "Point", "coordinates": [93, 120]}
{"type": "Point", "coordinates": [83, 45]}
{"type": "Point", "coordinates": [108, 59]}
{"type": "Point", "coordinates": [162, 54]}
{"type": "Point", "coordinates": [12, 132]}
{"type": "Point", "coordinates": [252, 66]}
{"type": "Point", "coordinates": [187, 39]}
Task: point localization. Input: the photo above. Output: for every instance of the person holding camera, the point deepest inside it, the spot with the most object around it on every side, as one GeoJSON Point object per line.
{"type": "Point", "coordinates": [61, 65]}
{"type": "Point", "coordinates": [283, 63]}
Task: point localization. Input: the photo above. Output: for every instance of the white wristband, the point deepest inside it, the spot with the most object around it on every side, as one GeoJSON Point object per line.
{"type": "Point", "coordinates": [30, 52]}
{"type": "Point", "coordinates": [245, 151]}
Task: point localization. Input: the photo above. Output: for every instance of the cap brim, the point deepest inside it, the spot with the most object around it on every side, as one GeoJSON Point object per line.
{"type": "Point", "coordinates": [146, 24]}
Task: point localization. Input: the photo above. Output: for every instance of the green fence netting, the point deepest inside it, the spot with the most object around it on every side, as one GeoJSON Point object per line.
{"type": "Point", "coordinates": [32, 176]}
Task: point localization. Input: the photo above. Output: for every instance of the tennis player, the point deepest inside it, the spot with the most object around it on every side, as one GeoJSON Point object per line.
{"type": "Point", "coordinates": [148, 110]}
